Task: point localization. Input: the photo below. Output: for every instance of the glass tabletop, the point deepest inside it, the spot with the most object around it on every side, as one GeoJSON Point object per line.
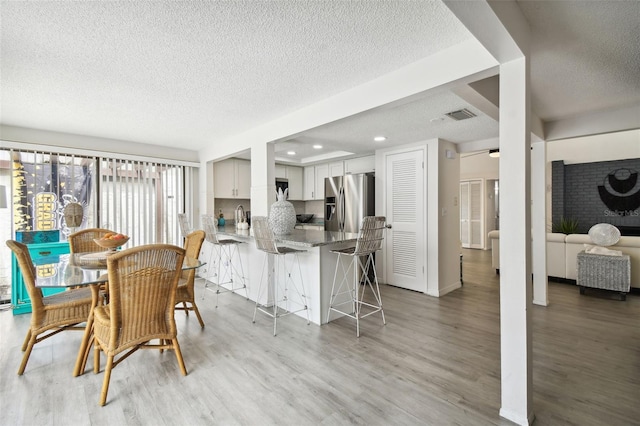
{"type": "Point", "coordinates": [69, 270]}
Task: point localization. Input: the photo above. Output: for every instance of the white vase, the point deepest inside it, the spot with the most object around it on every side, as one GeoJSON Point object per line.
{"type": "Point", "coordinates": [282, 216]}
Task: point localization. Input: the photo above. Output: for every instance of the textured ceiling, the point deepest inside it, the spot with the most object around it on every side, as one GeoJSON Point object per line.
{"type": "Point", "coordinates": [585, 55]}
{"type": "Point", "coordinates": [189, 73]}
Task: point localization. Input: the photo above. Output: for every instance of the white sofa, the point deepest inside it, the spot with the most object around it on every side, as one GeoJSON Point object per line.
{"type": "Point", "coordinates": [562, 254]}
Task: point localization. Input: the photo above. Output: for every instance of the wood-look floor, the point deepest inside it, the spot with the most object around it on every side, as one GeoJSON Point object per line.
{"type": "Point", "coordinates": [436, 362]}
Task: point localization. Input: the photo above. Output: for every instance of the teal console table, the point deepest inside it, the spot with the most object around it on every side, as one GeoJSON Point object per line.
{"type": "Point", "coordinates": [20, 300]}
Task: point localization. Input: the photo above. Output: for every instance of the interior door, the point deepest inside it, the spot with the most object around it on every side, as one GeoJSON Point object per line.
{"type": "Point", "coordinates": [405, 242]}
{"type": "Point", "coordinates": [471, 217]}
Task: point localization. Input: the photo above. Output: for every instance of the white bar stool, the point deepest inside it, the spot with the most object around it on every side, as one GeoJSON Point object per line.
{"type": "Point", "coordinates": [278, 304]}
{"type": "Point", "coordinates": [369, 241]}
{"type": "Point", "coordinates": [185, 225]}
{"type": "Point", "coordinates": [224, 270]}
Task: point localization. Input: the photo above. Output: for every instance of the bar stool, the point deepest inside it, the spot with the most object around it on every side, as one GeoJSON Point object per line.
{"type": "Point", "coordinates": [223, 267]}
{"type": "Point", "coordinates": [185, 225]}
{"type": "Point", "coordinates": [369, 241]}
{"type": "Point", "coordinates": [278, 302]}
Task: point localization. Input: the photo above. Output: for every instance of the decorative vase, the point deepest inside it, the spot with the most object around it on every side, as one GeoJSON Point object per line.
{"type": "Point", "coordinates": [221, 221]}
{"type": "Point", "coordinates": [282, 216]}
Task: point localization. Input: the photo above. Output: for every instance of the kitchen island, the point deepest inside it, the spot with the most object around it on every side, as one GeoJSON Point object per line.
{"type": "Point", "coordinates": [317, 264]}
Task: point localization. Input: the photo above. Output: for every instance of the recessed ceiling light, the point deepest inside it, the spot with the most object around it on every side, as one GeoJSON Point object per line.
{"type": "Point", "coordinates": [380, 139]}
{"type": "Point", "coordinates": [291, 153]}
{"type": "Point", "coordinates": [317, 147]}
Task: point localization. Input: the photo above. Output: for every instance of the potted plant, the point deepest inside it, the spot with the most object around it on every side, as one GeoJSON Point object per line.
{"type": "Point", "coordinates": [566, 226]}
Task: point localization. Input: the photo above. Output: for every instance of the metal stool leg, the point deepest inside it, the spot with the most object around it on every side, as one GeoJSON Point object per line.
{"type": "Point", "coordinates": [355, 291]}
{"type": "Point", "coordinates": [211, 270]}
{"type": "Point", "coordinates": [282, 285]}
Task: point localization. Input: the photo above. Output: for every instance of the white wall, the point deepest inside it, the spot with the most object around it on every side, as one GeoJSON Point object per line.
{"type": "Point", "coordinates": [478, 165]}
{"type": "Point", "coordinates": [449, 217]}
{"type": "Point", "coordinates": [589, 149]}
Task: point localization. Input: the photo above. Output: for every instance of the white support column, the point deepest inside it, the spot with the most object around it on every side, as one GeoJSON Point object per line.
{"type": "Point", "coordinates": [263, 178]}
{"type": "Point", "coordinates": [515, 242]}
{"type": "Point", "coordinates": [539, 222]}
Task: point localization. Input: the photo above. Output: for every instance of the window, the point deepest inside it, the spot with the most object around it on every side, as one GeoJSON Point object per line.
{"type": "Point", "coordinates": [138, 198]}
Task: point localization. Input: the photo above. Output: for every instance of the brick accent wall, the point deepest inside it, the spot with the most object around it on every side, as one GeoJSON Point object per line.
{"type": "Point", "coordinates": [575, 193]}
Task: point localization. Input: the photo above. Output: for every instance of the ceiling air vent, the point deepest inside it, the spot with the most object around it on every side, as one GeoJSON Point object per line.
{"type": "Point", "coordinates": [462, 114]}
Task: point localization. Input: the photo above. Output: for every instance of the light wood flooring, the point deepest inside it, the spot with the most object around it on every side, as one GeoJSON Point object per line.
{"type": "Point", "coordinates": [436, 362]}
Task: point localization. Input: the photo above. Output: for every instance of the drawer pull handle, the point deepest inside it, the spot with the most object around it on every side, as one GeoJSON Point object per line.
{"type": "Point", "coordinates": [44, 253]}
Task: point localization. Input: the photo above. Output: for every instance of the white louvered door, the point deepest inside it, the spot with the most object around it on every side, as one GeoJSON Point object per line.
{"type": "Point", "coordinates": [471, 217]}
{"type": "Point", "coordinates": [405, 209]}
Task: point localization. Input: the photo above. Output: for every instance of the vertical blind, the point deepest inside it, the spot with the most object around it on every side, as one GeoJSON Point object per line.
{"type": "Point", "coordinates": [138, 198]}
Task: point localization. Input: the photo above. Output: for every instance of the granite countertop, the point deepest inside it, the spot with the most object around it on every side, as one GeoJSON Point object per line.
{"type": "Point", "coordinates": [297, 237]}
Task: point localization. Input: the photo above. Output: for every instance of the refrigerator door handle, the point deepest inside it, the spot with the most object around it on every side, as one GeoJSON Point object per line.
{"type": "Point", "coordinates": [342, 212]}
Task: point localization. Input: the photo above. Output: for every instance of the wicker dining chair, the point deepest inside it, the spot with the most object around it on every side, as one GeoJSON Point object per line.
{"type": "Point", "coordinates": [142, 284]}
{"type": "Point", "coordinates": [51, 314]}
{"type": "Point", "coordinates": [185, 292]}
{"type": "Point", "coordinates": [82, 241]}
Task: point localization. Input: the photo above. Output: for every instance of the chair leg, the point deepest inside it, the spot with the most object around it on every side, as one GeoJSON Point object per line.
{"type": "Point", "coordinates": [186, 310]}
{"type": "Point", "coordinates": [27, 352]}
{"type": "Point", "coordinates": [219, 277]}
{"type": "Point", "coordinates": [356, 284]}
{"type": "Point", "coordinates": [244, 279]}
{"type": "Point", "coordinates": [96, 357]}
{"type": "Point", "coordinates": [302, 295]}
{"type": "Point", "coordinates": [197, 311]}
{"type": "Point", "coordinates": [26, 340]}
{"type": "Point", "coordinates": [85, 356]}
{"type": "Point", "coordinates": [264, 264]}
{"type": "Point", "coordinates": [105, 382]}
{"type": "Point", "coordinates": [176, 347]}
{"type": "Point", "coordinates": [377, 289]}
{"type": "Point", "coordinates": [275, 294]}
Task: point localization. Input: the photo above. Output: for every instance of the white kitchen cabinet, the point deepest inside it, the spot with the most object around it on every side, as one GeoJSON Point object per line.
{"type": "Point", "coordinates": [314, 177]}
{"type": "Point", "coordinates": [360, 165]}
{"type": "Point", "coordinates": [294, 176]}
{"type": "Point", "coordinates": [309, 183]}
{"type": "Point", "coordinates": [322, 172]}
{"type": "Point", "coordinates": [281, 171]}
{"type": "Point", "coordinates": [336, 168]}
{"type": "Point", "coordinates": [232, 178]}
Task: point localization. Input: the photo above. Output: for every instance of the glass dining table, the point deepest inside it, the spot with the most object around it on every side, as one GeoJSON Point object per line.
{"type": "Point", "coordinates": [84, 269]}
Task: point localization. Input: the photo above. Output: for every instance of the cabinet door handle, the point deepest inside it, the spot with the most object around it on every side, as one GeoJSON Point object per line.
{"type": "Point", "coordinates": [44, 253]}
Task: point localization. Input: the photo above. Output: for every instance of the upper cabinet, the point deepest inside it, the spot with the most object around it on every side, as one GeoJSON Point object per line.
{"type": "Point", "coordinates": [281, 171]}
{"type": "Point", "coordinates": [232, 178]}
{"type": "Point", "coordinates": [336, 168]}
{"type": "Point", "coordinates": [360, 165]}
{"type": "Point", "coordinates": [293, 174]}
{"type": "Point", "coordinates": [314, 177]}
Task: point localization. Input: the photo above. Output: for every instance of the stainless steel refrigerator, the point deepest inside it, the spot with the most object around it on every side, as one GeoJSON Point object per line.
{"type": "Point", "coordinates": [348, 199]}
